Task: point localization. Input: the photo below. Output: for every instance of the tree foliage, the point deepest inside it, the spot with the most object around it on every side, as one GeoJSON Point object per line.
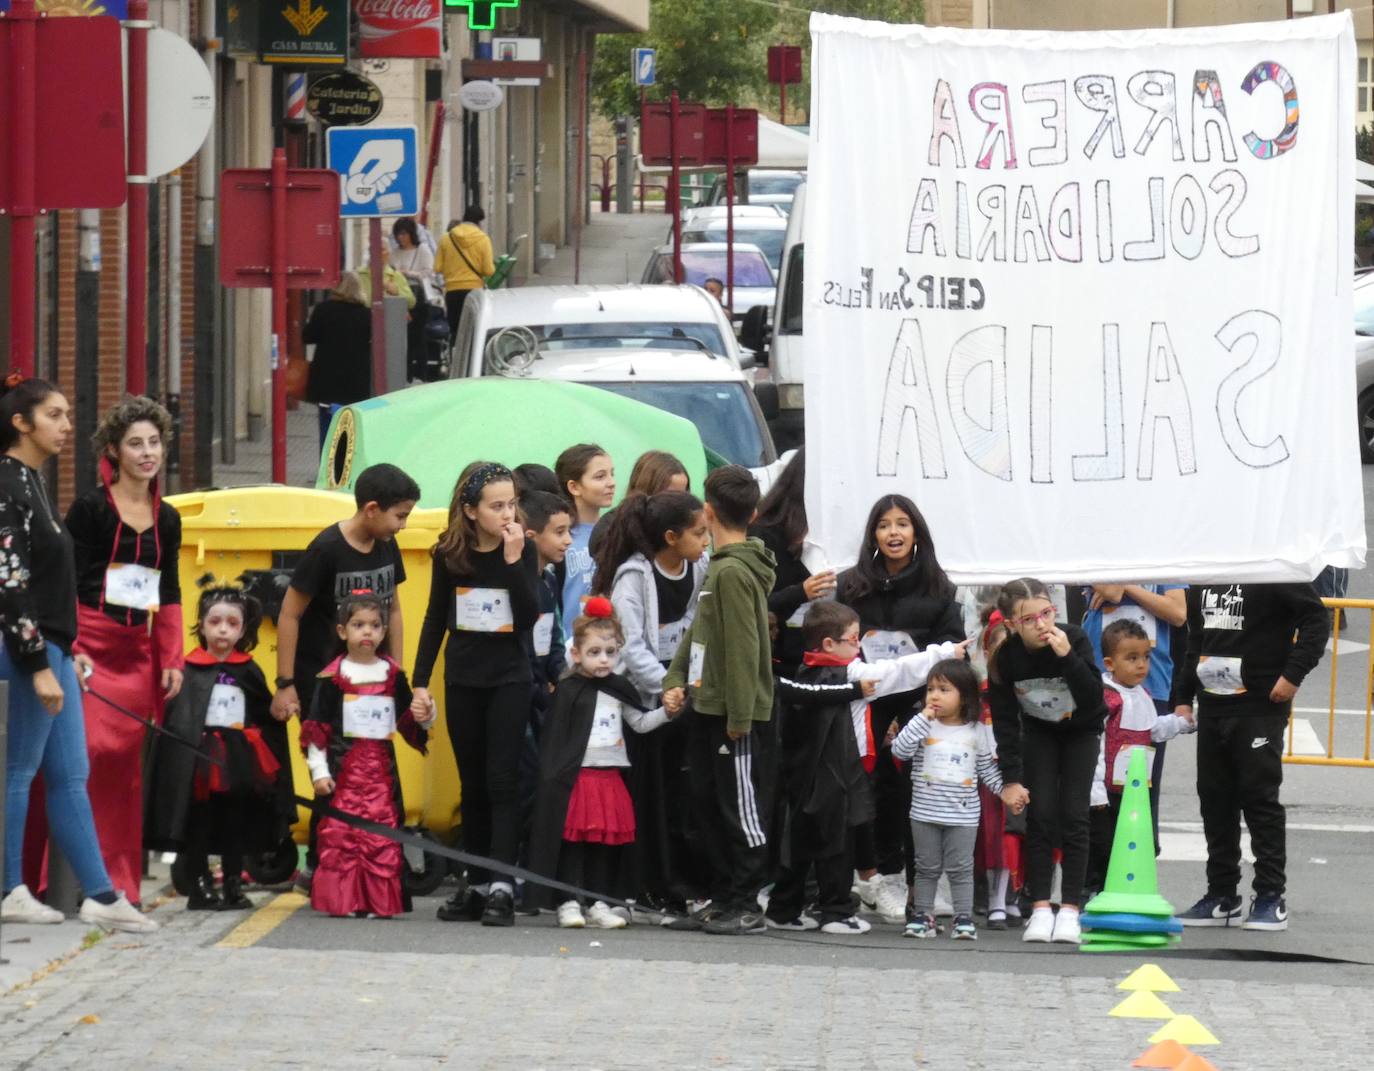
{"type": "Point", "coordinates": [715, 51]}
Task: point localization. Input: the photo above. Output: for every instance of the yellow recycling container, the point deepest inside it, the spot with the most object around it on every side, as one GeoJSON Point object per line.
{"type": "Point", "coordinates": [259, 533]}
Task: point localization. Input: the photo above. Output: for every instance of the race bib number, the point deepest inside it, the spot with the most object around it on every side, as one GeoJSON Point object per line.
{"type": "Point", "coordinates": [133, 586]}
{"type": "Point", "coordinates": [947, 762]}
{"type": "Point", "coordinates": [879, 644]}
{"type": "Point", "coordinates": [227, 707]}
{"type": "Point", "coordinates": [482, 610]}
{"type": "Point", "coordinates": [543, 635]}
{"type": "Point", "coordinates": [1220, 676]}
{"type": "Point", "coordinates": [670, 639]}
{"type": "Point", "coordinates": [795, 621]}
{"type": "Point", "coordinates": [369, 717]}
{"type": "Point", "coordinates": [696, 664]}
{"type": "Point", "coordinates": [1123, 761]}
{"type": "Point", "coordinates": [606, 729]}
{"type": "Point", "coordinates": [1045, 698]}
{"type": "Point", "coordinates": [1127, 611]}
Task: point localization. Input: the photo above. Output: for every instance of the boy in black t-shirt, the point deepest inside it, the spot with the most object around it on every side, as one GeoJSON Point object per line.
{"type": "Point", "coordinates": [358, 554]}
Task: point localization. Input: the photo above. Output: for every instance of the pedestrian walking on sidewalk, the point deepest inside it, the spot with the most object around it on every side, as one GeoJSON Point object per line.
{"type": "Point", "coordinates": [340, 327]}
{"type": "Point", "coordinates": [465, 261]}
{"type": "Point", "coordinates": [38, 620]}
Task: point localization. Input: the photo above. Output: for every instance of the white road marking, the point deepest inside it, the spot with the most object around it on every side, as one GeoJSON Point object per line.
{"type": "Point", "coordinates": [1305, 739]}
{"type": "Point", "coordinates": [1304, 827]}
{"type": "Point", "coordinates": [1192, 847]}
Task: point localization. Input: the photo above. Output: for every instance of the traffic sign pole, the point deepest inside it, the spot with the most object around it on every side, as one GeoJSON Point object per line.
{"type": "Point", "coordinates": [136, 299]}
{"type": "Point", "coordinates": [730, 208]}
{"type": "Point", "coordinates": [279, 181]}
{"type": "Point", "coordinates": [675, 193]}
{"type": "Point", "coordinates": [23, 157]}
{"type": "Point", "coordinates": [376, 301]}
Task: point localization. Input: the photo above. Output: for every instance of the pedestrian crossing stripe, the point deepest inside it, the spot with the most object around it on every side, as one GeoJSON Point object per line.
{"type": "Point", "coordinates": [263, 921]}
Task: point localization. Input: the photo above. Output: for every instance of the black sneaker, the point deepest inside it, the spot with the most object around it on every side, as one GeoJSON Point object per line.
{"type": "Point", "coordinates": [466, 905]}
{"type": "Point", "coordinates": [1267, 912]}
{"type": "Point", "coordinates": [500, 909]}
{"type": "Point", "coordinates": [1212, 911]}
{"type": "Point", "coordinates": [736, 923]}
{"type": "Point", "coordinates": [692, 921]}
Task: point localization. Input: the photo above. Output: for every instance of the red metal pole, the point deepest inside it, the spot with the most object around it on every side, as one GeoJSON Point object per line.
{"type": "Point", "coordinates": [730, 209]}
{"type": "Point", "coordinates": [673, 192]}
{"type": "Point", "coordinates": [436, 140]}
{"type": "Point", "coordinates": [377, 298]}
{"type": "Point", "coordinates": [581, 160]}
{"type": "Point", "coordinates": [782, 105]}
{"type": "Point", "coordinates": [136, 305]}
{"type": "Point", "coordinates": [641, 148]}
{"type": "Point", "coordinates": [279, 181]}
{"type": "Point", "coordinates": [22, 153]}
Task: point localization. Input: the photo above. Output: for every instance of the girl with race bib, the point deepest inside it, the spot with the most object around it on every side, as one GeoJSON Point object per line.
{"type": "Point", "coordinates": [361, 699]}
{"type": "Point", "coordinates": [586, 478]}
{"type": "Point", "coordinates": [239, 800]}
{"type": "Point", "coordinates": [483, 599]}
{"type": "Point", "coordinates": [651, 563]}
{"type": "Point", "coordinates": [905, 603]}
{"type": "Point", "coordinates": [584, 819]}
{"type": "Point", "coordinates": [949, 758]}
{"type": "Point", "coordinates": [1047, 714]}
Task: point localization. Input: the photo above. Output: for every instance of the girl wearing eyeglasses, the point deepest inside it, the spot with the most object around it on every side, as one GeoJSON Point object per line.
{"type": "Point", "coordinates": [1047, 715]}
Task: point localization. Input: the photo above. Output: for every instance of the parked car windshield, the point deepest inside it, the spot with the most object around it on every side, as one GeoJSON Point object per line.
{"type": "Point", "coordinates": [770, 241]}
{"type": "Point", "coordinates": [603, 335]}
{"type": "Point", "coordinates": [751, 269]}
{"type": "Point", "coordinates": [773, 183]}
{"type": "Point", "coordinates": [721, 411]}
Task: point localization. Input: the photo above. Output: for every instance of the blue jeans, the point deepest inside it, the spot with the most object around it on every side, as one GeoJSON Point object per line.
{"type": "Point", "coordinates": [57, 746]}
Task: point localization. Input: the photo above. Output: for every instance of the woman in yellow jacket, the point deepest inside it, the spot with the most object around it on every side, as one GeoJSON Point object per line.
{"type": "Point", "coordinates": [465, 260]}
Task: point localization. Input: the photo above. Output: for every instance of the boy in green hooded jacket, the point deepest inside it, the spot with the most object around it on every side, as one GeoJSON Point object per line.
{"type": "Point", "coordinates": [725, 664]}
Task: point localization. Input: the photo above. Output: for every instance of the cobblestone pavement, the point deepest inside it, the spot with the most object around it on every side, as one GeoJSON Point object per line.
{"type": "Point", "coordinates": [586, 999]}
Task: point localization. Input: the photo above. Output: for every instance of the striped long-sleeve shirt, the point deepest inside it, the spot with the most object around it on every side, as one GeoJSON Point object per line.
{"type": "Point", "coordinates": [948, 761]}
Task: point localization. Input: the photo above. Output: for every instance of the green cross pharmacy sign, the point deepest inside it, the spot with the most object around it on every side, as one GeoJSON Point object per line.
{"type": "Point", "coordinates": [481, 13]}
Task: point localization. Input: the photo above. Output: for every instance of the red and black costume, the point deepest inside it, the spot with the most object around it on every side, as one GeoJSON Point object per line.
{"type": "Point", "coordinates": [199, 807]}
{"type": "Point", "coordinates": [360, 872]}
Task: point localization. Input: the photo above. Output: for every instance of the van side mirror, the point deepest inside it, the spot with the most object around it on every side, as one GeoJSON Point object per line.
{"type": "Point", "coordinates": [754, 333]}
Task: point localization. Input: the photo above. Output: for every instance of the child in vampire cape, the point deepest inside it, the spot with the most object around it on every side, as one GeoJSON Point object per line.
{"type": "Point", "coordinates": [347, 744]}
{"type": "Point", "coordinates": [234, 797]}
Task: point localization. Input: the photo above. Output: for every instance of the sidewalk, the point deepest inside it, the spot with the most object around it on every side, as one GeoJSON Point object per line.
{"type": "Point", "coordinates": [253, 460]}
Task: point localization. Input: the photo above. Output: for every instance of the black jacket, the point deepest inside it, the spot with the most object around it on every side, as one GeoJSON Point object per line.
{"type": "Point", "coordinates": [37, 570]}
{"type": "Point", "coordinates": [1021, 680]}
{"type": "Point", "coordinates": [546, 669]}
{"type": "Point", "coordinates": [787, 595]}
{"type": "Point", "coordinates": [823, 778]}
{"type": "Point", "coordinates": [341, 371]}
{"type": "Point", "coordinates": [1254, 623]}
{"type": "Point", "coordinates": [561, 749]}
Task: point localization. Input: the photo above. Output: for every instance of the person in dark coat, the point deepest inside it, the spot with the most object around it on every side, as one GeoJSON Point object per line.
{"type": "Point", "coordinates": [341, 330]}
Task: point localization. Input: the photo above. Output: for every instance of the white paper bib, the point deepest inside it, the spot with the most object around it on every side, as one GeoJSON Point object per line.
{"type": "Point", "coordinates": [135, 587]}
{"type": "Point", "coordinates": [607, 731]}
{"type": "Point", "coordinates": [879, 644]}
{"type": "Point", "coordinates": [482, 610]}
{"type": "Point", "coordinates": [696, 664]}
{"type": "Point", "coordinates": [795, 621]}
{"type": "Point", "coordinates": [1220, 676]}
{"type": "Point", "coordinates": [227, 708]}
{"type": "Point", "coordinates": [543, 635]}
{"type": "Point", "coordinates": [1129, 611]}
{"type": "Point", "coordinates": [948, 761]}
{"type": "Point", "coordinates": [369, 717]}
{"type": "Point", "coordinates": [670, 639]}
{"type": "Point", "coordinates": [1123, 760]}
{"type": "Point", "coordinates": [1045, 698]}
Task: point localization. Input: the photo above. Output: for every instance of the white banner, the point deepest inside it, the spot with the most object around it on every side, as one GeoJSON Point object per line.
{"type": "Point", "coordinates": [1086, 297]}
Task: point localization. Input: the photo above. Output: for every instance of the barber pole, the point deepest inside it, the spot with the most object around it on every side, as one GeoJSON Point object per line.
{"type": "Point", "coordinates": [295, 98]}
{"type": "Point", "coordinates": [400, 29]}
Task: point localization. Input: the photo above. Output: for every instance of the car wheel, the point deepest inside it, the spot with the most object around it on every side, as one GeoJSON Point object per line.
{"type": "Point", "coordinates": [1367, 427]}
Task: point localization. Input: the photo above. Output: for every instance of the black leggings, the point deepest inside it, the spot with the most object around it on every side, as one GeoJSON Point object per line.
{"type": "Point", "coordinates": [218, 820]}
{"type": "Point", "coordinates": [487, 728]}
{"type": "Point", "coordinates": [1058, 769]}
{"type": "Point", "coordinates": [591, 866]}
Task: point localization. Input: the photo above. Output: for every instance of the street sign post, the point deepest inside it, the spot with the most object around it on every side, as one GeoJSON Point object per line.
{"type": "Point", "coordinates": [784, 69]}
{"type": "Point", "coordinates": [263, 214]}
{"type": "Point", "coordinates": [379, 167]}
{"type": "Point", "coordinates": [731, 139]}
{"type": "Point", "coordinates": [36, 161]}
{"type": "Point", "coordinates": [644, 66]}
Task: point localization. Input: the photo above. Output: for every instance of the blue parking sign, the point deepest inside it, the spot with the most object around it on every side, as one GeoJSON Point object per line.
{"type": "Point", "coordinates": [379, 169]}
{"type": "Point", "coordinates": [645, 66]}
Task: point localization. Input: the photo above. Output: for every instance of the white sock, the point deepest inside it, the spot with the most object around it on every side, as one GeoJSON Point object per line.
{"type": "Point", "coordinates": [998, 880]}
{"type": "Point", "coordinates": [1066, 907]}
{"type": "Point", "coordinates": [502, 886]}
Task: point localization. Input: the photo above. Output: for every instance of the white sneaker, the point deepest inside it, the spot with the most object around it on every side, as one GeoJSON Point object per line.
{"type": "Point", "coordinates": [602, 917]}
{"type": "Point", "coordinates": [866, 889]}
{"type": "Point", "coordinates": [1066, 928]}
{"type": "Point", "coordinates": [890, 902]}
{"type": "Point", "coordinates": [944, 907]}
{"type": "Point", "coordinates": [852, 926]}
{"type": "Point", "coordinates": [22, 906]}
{"type": "Point", "coordinates": [570, 915]}
{"type": "Point", "coordinates": [765, 894]}
{"type": "Point", "coordinates": [120, 915]}
{"type": "Point", "coordinates": [1040, 928]}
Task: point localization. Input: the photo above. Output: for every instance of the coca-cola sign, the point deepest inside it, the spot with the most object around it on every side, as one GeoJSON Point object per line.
{"type": "Point", "coordinates": [401, 29]}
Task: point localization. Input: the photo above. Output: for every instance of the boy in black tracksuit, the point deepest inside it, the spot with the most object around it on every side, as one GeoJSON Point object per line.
{"type": "Point", "coordinates": [1244, 667]}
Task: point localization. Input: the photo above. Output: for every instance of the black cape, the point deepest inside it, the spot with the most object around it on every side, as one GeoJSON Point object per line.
{"type": "Point", "coordinates": [561, 748]}
{"type": "Point", "coordinates": [170, 771]}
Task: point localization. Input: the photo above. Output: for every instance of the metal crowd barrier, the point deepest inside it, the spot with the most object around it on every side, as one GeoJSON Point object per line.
{"type": "Point", "coordinates": [1343, 606]}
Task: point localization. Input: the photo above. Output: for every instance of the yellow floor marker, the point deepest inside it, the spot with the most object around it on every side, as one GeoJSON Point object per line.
{"type": "Point", "coordinates": [263, 921]}
{"type": "Point", "coordinates": [1150, 978]}
{"type": "Point", "coordinates": [1142, 1004]}
{"type": "Point", "coordinates": [1186, 1031]}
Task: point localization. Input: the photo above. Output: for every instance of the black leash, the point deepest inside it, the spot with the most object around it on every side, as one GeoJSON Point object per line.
{"type": "Point", "coordinates": [431, 847]}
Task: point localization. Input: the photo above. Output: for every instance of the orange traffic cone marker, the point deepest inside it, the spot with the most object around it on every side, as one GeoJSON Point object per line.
{"type": "Point", "coordinates": [1167, 1055]}
{"type": "Point", "coordinates": [1195, 1062]}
